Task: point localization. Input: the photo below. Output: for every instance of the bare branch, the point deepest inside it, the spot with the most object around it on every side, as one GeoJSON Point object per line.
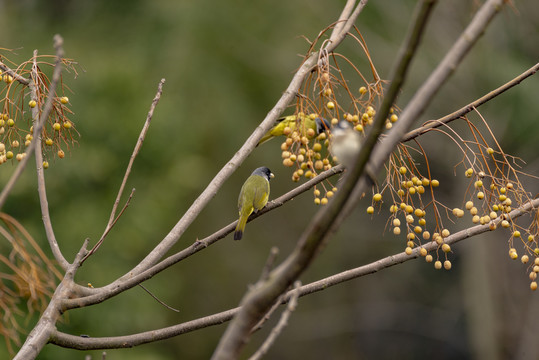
{"type": "Point", "coordinates": [6, 69]}
{"type": "Point", "coordinates": [46, 326]}
{"type": "Point", "coordinates": [39, 122]}
{"type": "Point", "coordinates": [429, 125]}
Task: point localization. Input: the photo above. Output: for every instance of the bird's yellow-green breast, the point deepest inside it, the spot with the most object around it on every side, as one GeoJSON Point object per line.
{"type": "Point", "coordinates": [254, 196]}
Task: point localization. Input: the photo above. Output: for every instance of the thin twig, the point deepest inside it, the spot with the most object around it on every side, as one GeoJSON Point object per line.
{"type": "Point", "coordinates": [274, 251]}
{"type": "Point", "coordinates": [110, 226]}
{"type": "Point", "coordinates": [157, 299]}
{"type": "Point", "coordinates": [113, 218]}
{"type": "Point", "coordinates": [283, 321]}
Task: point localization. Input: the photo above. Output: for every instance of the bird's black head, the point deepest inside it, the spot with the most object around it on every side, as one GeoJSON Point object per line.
{"type": "Point", "coordinates": [322, 125]}
{"type": "Point", "coordinates": [264, 172]}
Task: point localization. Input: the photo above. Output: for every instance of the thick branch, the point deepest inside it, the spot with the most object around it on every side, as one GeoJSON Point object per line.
{"type": "Point", "coordinates": [261, 297]}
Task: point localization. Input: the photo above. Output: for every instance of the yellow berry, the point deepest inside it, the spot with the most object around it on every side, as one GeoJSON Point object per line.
{"type": "Point", "coordinates": [393, 118]}
{"type": "Point", "coordinates": [324, 201]}
{"type": "Point", "coordinates": [469, 205]}
{"type": "Point", "coordinates": [490, 150]}
{"type": "Point", "coordinates": [288, 163]}
{"type": "Point", "coordinates": [446, 248]}
{"type": "Point", "coordinates": [370, 210]}
{"type": "Point", "coordinates": [56, 126]}
{"type": "Point", "coordinates": [317, 201]}
{"type": "Point", "coordinates": [524, 259]}
{"type": "Point", "coordinates": [64, 99]}
{"type": "Point", "coordinates": [32, 103]}
{"type": "Point", "coordinates": [435, 183]}
{"type": "Point", "coordinates": [478, 184]}
{"type": "Point", "coordinates": [377, 197]}
{"type": "Point", "coordinates": [362, 90]}
{"type": "Point", "coordinates": [480, 195]}
{"type": "Point", "coordinates": [426, 235]}
{"type": "Point", "coordinates": [469, 172]}
{"type": "Point", "coordinates": [396, 230]}
{"type": "Point", "coordinates": [10, 122]}
{"type": "Point", "coordinates": [445, 233]}
{"type": "Point", "coordinates": [533, 285]}
{"type": "Point", "coordinates": [408, 250]}
{"type": "Point", "coordinates": [428, 258]}
{"type": "Point", "coordinates": [423, 252]}
{"type": "Point", "coordinates": [447, 265]}
{"type": "Point", "coordinates": [9, 155]}
{"type": "Point", "coordinates": [403, 170]}
{"type": "Point", "coordinates": [438, 265]}
{"type": "Point", "coordinates": [516, 234]}
{"type": "Point", "coordinates": [330, 105]}
{"type": "Point", "coordinates": [61, 154]}
{"type": "Point", "coordinates": [45, 164]}
{"type": "Point", "coordinates": [68, 125]}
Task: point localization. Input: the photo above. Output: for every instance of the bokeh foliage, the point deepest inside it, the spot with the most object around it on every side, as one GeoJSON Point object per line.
{"type": "Point", "coordinates": [226, 63]}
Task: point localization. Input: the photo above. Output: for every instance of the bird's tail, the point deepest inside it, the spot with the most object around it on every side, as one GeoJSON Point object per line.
{"type": "Point", "coordinates": [238, 234]}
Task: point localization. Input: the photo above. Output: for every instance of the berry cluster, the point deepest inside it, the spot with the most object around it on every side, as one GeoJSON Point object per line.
{"type": "Point", "coordinates": [16, 120]}
{"type": "Point", "coordinates": [493, 192]}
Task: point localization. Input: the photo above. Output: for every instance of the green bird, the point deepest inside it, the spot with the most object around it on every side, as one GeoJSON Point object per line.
{"type": "Point", "coordinates": [318, 126]}
{"type": "Point", "coordinates": [253, 197]}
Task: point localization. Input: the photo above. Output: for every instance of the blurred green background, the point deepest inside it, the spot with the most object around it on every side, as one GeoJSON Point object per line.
{"type": "Point", "coordinates": [226, 63]}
